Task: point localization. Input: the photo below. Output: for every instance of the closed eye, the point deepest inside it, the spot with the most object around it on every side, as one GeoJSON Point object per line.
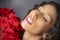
{"type": "Point", "coordinates": [44, 19]}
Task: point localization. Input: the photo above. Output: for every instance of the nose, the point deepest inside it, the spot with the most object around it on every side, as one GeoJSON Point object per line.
{"type": "Point", "coordinates": [37, 14]}
{"type": "Point", "coordinates": [40, 13]}
{"type": "Point", "coordinates": [34, 15]}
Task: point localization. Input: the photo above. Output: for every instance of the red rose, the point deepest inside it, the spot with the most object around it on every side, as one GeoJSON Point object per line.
{"type": "Point", "coordinates": [10, 25]}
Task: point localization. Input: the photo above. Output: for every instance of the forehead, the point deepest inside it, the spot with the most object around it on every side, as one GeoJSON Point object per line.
{"type": "Point", "coordinates": [49, 9]}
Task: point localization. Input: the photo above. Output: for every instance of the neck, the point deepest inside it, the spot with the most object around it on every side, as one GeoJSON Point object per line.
{"type": "Point", "coordinates": [29, 36]}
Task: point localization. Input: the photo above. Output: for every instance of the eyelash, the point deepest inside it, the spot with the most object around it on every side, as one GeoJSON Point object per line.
{"type": "Point", "coordinates": [44, 19]}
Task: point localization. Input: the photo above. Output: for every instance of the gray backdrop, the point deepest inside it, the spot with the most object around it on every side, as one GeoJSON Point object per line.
{"type": "Point", "coordinates": [21, 6]}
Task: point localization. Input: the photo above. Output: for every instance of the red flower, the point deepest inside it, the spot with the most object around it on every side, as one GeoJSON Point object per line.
{"type": "Point", "coordinates": [10, 25]}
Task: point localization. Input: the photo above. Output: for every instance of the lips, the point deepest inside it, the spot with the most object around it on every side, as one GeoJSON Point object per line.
{"type": "Point", "coordinates": [29, 20]}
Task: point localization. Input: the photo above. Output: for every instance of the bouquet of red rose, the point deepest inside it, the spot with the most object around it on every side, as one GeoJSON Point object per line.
{"type": "Point", "coordinates": [10, 25]}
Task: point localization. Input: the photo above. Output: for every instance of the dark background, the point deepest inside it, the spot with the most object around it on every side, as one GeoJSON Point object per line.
{"type": "Point", "coordinates": [21, 6]}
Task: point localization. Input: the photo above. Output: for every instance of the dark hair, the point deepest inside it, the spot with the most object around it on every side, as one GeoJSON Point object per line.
{"type": "Point", "coordinates": [53, 33]}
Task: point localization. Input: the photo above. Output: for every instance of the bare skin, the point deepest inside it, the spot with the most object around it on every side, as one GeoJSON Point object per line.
{"type": "Point", "coordinates": [38, 22]}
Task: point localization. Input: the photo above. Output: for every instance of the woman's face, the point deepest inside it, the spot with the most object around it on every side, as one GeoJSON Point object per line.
{"type": "Point", "coordinates": [40, 20]}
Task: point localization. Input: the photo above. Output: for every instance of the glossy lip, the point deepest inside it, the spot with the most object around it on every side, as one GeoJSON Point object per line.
{"type": "Point", "coordinates": [28, 20]}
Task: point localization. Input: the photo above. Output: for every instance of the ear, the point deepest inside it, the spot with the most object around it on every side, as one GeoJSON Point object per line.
{"type": "Point", "coordinates": [45, 35]}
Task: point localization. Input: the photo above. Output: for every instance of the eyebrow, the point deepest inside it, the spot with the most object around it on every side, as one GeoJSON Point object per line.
{"type": "Point", "coordinates": [48, 15]}
{"type": "Point", "coordinates": [38, 9]}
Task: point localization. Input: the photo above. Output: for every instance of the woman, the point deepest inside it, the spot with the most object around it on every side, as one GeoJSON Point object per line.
{"type": "Point", "coordinates": [42, 22]}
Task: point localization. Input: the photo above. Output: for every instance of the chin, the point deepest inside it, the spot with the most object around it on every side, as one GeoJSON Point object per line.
{"type": "Point", "coordinates": [22, 25]}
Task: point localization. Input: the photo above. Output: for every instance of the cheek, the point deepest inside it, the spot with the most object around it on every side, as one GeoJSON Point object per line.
{"type": "Point", "coordinates": [38, 27]}
{"type": "Point", "coordinates": [41, 26]}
